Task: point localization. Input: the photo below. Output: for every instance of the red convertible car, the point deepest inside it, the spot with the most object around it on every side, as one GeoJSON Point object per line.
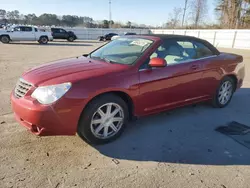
{"type": "Point", "coordinates": [95, 95]}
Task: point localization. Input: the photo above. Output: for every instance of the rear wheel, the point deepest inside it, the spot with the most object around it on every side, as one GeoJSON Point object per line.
{"type": "Point", "coordinates": [43, 40]}
{"type": "Point", "coordinates": [224, 93]}
{"type": "Point", "coordinates": [103, 120]}
{"type": "Point", "coordinates": [5, 39]}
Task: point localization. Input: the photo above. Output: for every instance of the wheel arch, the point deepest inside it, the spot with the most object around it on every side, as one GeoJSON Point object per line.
{"type": "Point", "coordinates": [43, 36]}
{"type": "Point", "coordinates": [234, 77]}
{"type": "Point", "coordinates": [5, 35]}
{"type": "Point", "coordinates": [123, 95]}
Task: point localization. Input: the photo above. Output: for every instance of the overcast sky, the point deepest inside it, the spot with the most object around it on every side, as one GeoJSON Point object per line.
{"type": "Point", "coordinates": [154, 12]}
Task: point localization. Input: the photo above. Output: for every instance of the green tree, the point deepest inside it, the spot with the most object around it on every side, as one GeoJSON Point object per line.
{"type": "Point", "coordinates": [13, 16]}
{"type": "Point", "coordinates": [30, 19]}
{"type": "Point", "coordinates": [111, 22]}
{"type": "Point", "coordinates": [49, 19]}
{"type": "Point", "coordinates": [2, 14]}
{"type": "Point", "coordinates": [105, 23]}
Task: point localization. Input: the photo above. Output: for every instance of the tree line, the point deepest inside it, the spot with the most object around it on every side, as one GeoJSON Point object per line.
{"type": "Point", "coordinates": [15, 17]}
{"type": "Point", "coordinates": [229, 14]}
{"type": "Point", "coordinates": [234, 13]}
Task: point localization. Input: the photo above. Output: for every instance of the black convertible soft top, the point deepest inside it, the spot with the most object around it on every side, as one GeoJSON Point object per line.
{"type": "Point", "coordinates": [185, 37]}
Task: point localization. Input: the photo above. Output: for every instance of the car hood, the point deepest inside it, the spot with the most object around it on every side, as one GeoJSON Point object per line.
{"type": "Point", "coordinates": [67, 67]}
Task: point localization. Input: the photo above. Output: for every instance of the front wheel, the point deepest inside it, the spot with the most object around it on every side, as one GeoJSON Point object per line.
{"type": "Point", "coordinates": [71, 39]}
{"type": "Point", "coordinates": [5, 39]}
{"type": "Point", "coordinates": [103, 120]}
{"type": "Point", "coordinates": [224, 93]}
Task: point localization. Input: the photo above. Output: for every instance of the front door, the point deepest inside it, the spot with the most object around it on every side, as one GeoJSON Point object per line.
{"type": "Point", "coordinates": [16, 34]}
{"type": "Point", "coordinates": [176, 84]}
{"type": "Point", "coordinates": [62, 34]}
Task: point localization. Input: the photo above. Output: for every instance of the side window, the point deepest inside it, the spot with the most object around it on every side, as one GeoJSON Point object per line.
{"type": "Point", "coordinates": [27, 29]}
{"type": "Point", "coordinates": [175, 52]}
{"type": "Point", "coordinates": [55, 30]}
{"type": "Point", "coordinates": [62, 31]}
{"type": "Point", "coordinates": [202, 50]}
{"type": "Point", "coordinates": [17, 29]}
{"type": "Point", "coordinates": [36, 30]}
{"type": "Point", "coordinates": [22, 29]}
{"type": "Point", "coordinates": [188, 49]}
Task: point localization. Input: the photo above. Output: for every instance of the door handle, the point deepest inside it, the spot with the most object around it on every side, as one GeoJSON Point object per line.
{"type": "Point", "coordinates": [195, 67]}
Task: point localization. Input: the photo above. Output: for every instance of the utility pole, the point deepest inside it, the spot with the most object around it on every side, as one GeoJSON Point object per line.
{"type": "Point", "coordinates": [185, 8]}
{"type": "Point", "coordinates": [110, 15]}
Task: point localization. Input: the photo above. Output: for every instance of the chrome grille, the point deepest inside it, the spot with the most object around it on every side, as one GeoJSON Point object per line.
{"type": "Point", "coordinates": [22, 87]}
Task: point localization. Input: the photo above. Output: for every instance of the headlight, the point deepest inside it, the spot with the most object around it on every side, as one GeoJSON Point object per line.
{"type": "Point", "coordinates": [50, 94]}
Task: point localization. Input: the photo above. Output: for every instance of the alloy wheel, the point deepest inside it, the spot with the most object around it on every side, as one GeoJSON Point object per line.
{"type": "Point", "coordinates": [225, 92]}
{"type": "Point", "coordinates": [107, 121]}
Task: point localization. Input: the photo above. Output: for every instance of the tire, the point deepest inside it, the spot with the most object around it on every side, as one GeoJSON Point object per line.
{"type": "Point", "coordinates": [43, 40]}
{"type": "Point", "coordinates": [5, 39]}
{"type": "Point", "coordinates": [71, 39]}
{"type": "Point", "coordinates": [223, 96]}
{"type": "Point", "coordinates": [94, 133]}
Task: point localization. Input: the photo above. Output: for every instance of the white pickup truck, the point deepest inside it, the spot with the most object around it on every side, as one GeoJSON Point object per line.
{"type": "Point", "coordinates": [25, 33]}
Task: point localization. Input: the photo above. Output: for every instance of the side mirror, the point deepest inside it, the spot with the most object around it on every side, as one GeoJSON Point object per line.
{"type": "Point", "coordinates": [157, 62]}
{"type": "Point", "coordinates": [85, 55]}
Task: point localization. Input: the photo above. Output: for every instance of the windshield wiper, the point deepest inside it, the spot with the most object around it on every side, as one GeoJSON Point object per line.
{"type": "Point", "coordinates": [108, 60]}
{"type": "Point", "coordinates": [103, 58]}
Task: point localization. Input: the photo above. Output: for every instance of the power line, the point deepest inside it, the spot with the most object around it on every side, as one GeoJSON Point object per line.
{"type": "Point", "coordinates": [185, 8]}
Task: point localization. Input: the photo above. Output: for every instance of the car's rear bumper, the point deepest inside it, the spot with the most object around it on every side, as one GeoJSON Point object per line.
{"type": "Point", "coordinates": [45, 120]}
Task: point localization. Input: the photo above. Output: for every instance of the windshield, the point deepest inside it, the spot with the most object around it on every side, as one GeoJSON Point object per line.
{"type": "Point", "coordinates": [122, 50]}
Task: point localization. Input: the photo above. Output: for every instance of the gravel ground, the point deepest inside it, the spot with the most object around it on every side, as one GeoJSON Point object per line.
{"type": "Point", "coordinates": [172, 149]}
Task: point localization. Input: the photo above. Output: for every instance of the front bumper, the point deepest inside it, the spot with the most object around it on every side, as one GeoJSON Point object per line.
{"type": "Point", "coordinates": [45, 120]}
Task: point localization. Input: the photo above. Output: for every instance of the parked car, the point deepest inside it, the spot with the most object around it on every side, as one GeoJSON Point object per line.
{"type": "Point", "coordinates": [2, 26]}
{"type": "Point", "coordinates": [24, 33]}
{"type": "Point", "coordinates": [125, 34]}
{"type": "Point", "coordinates": [59, 33]}
{"type": "Point", "coordinates": [107, 37]}
{"type": "Point", "coordinates": [97, 94]}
